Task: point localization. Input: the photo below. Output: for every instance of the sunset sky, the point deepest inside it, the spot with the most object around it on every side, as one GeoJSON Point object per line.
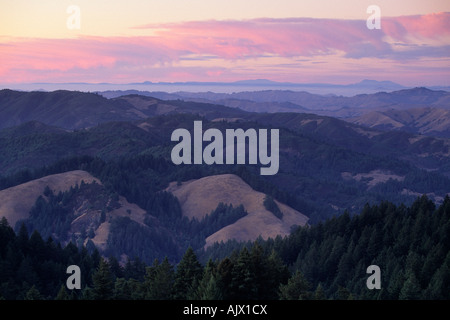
{"type": "Point", "coordinates": [324, 41]}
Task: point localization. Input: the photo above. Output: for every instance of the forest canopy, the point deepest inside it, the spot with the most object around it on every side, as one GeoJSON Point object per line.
{"type": "Point", "coordinates": [411, 245]}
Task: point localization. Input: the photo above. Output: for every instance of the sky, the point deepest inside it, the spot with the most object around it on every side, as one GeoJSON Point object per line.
{"type": "Point", "coordinates": [319, 41]}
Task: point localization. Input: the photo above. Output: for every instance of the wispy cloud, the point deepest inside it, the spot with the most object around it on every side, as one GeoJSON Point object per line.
{"type": "Point", "coordinates": [303, 36]}
{"type": "Point", "coordinates": [207, 48]}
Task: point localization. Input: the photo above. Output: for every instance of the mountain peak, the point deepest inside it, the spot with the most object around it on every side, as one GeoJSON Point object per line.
{"type": "Point", "coordinates": [256, 82]}
{"type": "Point", "coordinates": [375, 83]}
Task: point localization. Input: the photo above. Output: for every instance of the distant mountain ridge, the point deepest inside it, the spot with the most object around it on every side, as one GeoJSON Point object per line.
{"type": "Point", "coordinates": [77, 110]}
{"type": "Point", "coordinates": [366, 86]}
{"type": "Point", "coordinates": [371, 110]}
{"type": "Point", "coordinates": [301, 101]}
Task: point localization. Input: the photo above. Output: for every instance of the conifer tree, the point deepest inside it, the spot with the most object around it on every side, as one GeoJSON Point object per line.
{"type": "Point", "coordinates": [103, 285]}
{"type": "Point", "coordinates": [7, 235]}
{"type": "Point", "coordinates": [277, 273]}
{"type": "Point", "coordinates": [62, 294]}
{"type": "Point", "coordinates": [87, 293]}
{"type": "Point", "coordinates": [438, 288]}
{"type": "Point", "coordinates": [33, 294]}
{"type": "Point", "coordinates": [26, 273]}
{"type": "Point", "coordinates": [208, 287]}
{"type": "Point", "coordinates": [23, 238]}
{"type": "Point", "coordinates": [188, 274]}
{"type": "Point", "coordinates": [319, 294]}
{"type": "Point", "coordinates": [116, 269]}
{"type": "Point", "coordinates": [224, 276]}
{"type": "Point", "coordinates": [121, 289]}
{"type": "Point", "coordinates": [243, 279]}
{"type": "Point", "coordinates": [159, 280]}
{"type": "Point", "coordinates": [127, 289]}
{"type": "Point", "coordinates": [37, 245]}
{"type": "Point", "coordinates": [411, 289]}
{"type": "Point", "coordinates": [343, 294]}
{"type": "Point", "coordinates": [297, 288]}
{"type": "Point", "coordinates": [212, 290]}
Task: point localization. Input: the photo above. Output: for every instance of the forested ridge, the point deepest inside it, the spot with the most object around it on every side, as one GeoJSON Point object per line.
{"type": "Point", "coordinates": [310, 178]}
{"type": "Point", "coordinates": [411, 245]}
{"type": "Point", "coordinates": [327, 171]}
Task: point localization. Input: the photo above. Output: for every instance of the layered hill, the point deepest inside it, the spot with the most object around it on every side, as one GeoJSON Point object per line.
{"type": "Point", "coordinates": [16, 202]}
{"type": "Point", "coordinates": [426, 152]}
{"type": "Point", "coordinates": [426, 121]}
{"type": "Point", "coordinates": [327, 166]}
{"type": "Point", "coordinates": [231, 189]}
{"type": "Point", "coordinates": [64, 109]}
{"type": "Point", "coordinates": [144, 107]}
{"type": "Point", "coordinates": [77, 110]}
{"type": "Point", "coordinates": [73, 206]}
{"type": "Point", "coordinates": [72, 110]}
{"type": "Point", "coordinates": [301, 101]}
{"type": "Point", "coordinates": [314, 152]}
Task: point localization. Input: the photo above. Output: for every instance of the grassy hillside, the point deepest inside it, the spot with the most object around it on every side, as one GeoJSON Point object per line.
{"type": "Point", "coordinates": [428, 121]}
{"type": "Point", "coordinates": [75, 207]}
{"type": "Point", "coordinates": [16, 202]}
{"type": "Point", "coordinates": [230, 189]}
{"type": "Point", "coordinates": [68, 207]}
{"type": "Point", "coordinates": [316, 155]}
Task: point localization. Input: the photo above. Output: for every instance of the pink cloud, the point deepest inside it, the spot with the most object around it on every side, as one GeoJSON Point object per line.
{"type": "Point", "coordinates": [297, 36]}
{"type": "Point", "coordinates": [172, 44]}
{"type": "Point", "coordinates": [431, 26]}
{"type": "Point", "coordinates": [253, 38]}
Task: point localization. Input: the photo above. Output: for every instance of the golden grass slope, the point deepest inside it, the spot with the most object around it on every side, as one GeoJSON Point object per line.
{"type": "Point", "coordinates": [425, 120]}
{"type": "Point", "coordinates": [199, 197]}
{"type": "Point", "coordinates": [16, 202]}
{"type": "Point", "coordinates": [126, 209]}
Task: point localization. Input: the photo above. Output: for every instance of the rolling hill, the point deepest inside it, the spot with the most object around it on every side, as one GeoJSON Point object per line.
{"type": "Point", "coordinates": [426, 120]}
{"type": "Point", "coordinates": [145, 107]}
{"type": "Point", "coordinates": [231, 189]}
{"type": "Point", "coordinates": [16, 202]}
{"type": "Point", "coordinates": [327, 166]}
{"type": "Point", "coordinates": [75, 207]}
{"type": "Point", "coordinates": [92, 214]}
{"type": "Point", "coordinates": [64, 109]}
{"type": "Point", "coordinates": [302, 101]}
{"type": "Point", "coordinates": [72, 110]}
